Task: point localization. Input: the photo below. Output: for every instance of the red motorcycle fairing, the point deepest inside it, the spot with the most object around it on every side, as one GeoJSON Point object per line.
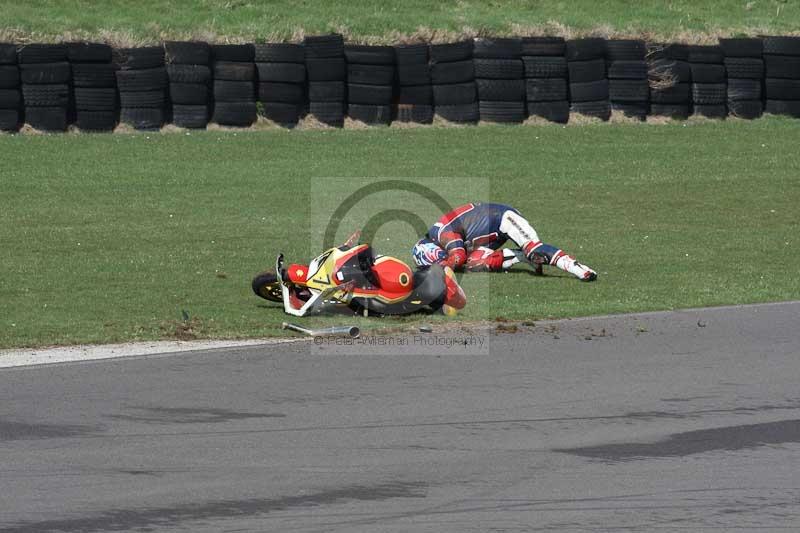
{"type": "Point", "coordinates": [297, 274]}
{"type": "Point", "coordinates": [382, 284]}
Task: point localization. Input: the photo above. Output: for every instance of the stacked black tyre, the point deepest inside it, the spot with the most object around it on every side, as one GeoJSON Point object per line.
{"type": "Point", "coordinates": [709, 81]}
{"type": "Point", "coordinates": [10, 96]}
{"type": "Point", "coordinates": [546, 78]}
{"type": "Point", "coordinates": [142, 83]}
{"type": "Point", "coordinates": [414, 92]}
{"type": "Point", "coordinates": [327, 75]}
{"type": "Point", "coordinates": [281, 70]}
{"type": "Point", "coordinates": [45, 75]}
{"type": "Point", "coordinates": [189, 82]}
{"type": "Point", "coordinates": [94, 86]}
{"type": "Point", "coordinates": [455, 96]}
{"type": "Point", "coordinates": [628, 87]}
{"type": "Point", "coordinates": [588, 82]}
{"type": "Point", "coordinates": [744, 67]}
{"type": "Point", "coordinates": [500, 80]}
{"type": "Point", "coordinates": [670, 77]}
{"type": "Point", "coordinates": [782, 67]}
{"type": "Point", "coordinates": [234, 74]}
{"type": "Point", "coordinates": [370, 83]}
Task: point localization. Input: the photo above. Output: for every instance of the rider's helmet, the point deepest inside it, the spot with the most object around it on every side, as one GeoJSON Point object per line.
{"type": "Point", "coordinates": [427, 253]}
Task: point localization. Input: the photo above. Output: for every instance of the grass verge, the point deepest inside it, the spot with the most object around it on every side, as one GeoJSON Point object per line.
{"type": "Point", "coordinates": [383, 20]}
{"type": "Point", "coordinates": [109, 238]}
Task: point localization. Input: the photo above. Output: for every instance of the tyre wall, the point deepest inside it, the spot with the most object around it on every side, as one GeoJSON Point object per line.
{"type": "Point", "coordinates": [500, 80]}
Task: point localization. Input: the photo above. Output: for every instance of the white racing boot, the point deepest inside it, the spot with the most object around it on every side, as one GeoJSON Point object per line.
{"type": "Point", "coordinates": [580, 271]}
{"type": "Point", "coordinates": [538, 254]}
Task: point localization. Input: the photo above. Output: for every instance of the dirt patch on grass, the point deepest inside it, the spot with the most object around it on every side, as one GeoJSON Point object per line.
{"type": "Point", "coordinates": [660, 120]}
{"type": "Point", "coordinates": [184, 330]}
{"type": "Point", "coordinates": [213, 126]}
{"type": "Point", "coordinates": [172, 128]}
{"type": "Point", "coordinates": [125, 129]}
{"type": "Point", "coordinates": [579, 119]}
{"type": "Point", "coordinates": [540, 121]}
{"type": "Point", "coordinates": [265, 124]}
{"type": "Point", "coordinates": [353, 124]}
{"type": "Point", "coordinates": [619, 117]}
{"type": "Point", "coordinates": [27, 129]}
{"type": "Point", "coordinates": [700, 119]}
{"type": "Point", "coordinates": [442, 122]}
{"type": "Point", "coordinates": [409, 125]}
{"type": "Point", "coordinates": [310, 122]}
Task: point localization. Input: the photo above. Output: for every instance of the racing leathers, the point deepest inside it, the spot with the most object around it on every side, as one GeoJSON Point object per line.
{"type": "Point", "coordinates": [470, 237]}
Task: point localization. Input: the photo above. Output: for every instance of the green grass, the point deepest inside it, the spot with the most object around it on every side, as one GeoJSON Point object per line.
{"type": "Point", "coordinates": [253, 20]}
{"type": "Point", "coordinates": [108, 237]}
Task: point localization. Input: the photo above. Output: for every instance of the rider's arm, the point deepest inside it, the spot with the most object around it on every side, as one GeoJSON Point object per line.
{"type": "Point", "coordinates": [453, 244]}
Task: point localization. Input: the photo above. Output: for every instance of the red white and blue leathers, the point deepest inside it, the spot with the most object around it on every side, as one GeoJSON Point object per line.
{"type": "Point", "coordinates": [471, 226]}
{"type": "Point", "coordinates": [470, 236]}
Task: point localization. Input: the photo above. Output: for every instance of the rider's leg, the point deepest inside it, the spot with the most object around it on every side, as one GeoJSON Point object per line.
{"type": "Point", "coordinates": [518, 229]}
{"type": "Point", "coordinates": [522, 233]}
{"type": "Point", "coordinates": [547, 254]}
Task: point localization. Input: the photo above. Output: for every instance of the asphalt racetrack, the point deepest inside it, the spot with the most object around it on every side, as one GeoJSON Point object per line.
{"type": "Point", "coordinates": [682, 421]}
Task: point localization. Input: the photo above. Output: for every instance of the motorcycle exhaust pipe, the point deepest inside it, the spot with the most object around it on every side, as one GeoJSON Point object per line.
{"type": "Point", "coordinates": [352, 331]}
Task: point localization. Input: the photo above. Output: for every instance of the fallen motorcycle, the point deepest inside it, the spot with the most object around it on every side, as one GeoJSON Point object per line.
{"type": "Point", "coordinates": [352, 279]}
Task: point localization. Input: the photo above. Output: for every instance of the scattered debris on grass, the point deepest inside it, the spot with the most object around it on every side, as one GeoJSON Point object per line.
{"type": "Point", "coordinates": [596, 334]}
{"type": "Point", "coordinates": [506, 328]}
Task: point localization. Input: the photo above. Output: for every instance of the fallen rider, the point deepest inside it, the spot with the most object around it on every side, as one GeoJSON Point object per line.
{"type": "Point", "coordinates": [470, 238]}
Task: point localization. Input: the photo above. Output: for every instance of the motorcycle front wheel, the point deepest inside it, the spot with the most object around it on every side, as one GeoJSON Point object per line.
{"type": "Point", "coordinates": [267, 286]}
